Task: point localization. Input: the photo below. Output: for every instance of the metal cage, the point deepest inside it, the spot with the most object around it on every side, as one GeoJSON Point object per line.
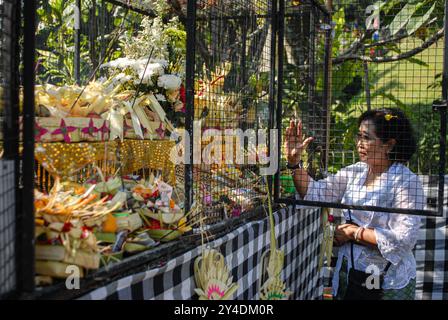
{"type": "Point", "coordinates": [235, 73]}
{"type": "Point", "coordinates": [230, 93]}
{"type": "Point", "coordinates": [382, 56]}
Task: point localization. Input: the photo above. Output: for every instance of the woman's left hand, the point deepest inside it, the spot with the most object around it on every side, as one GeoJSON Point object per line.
{"type": "Point", "coordinates": [344, 233]}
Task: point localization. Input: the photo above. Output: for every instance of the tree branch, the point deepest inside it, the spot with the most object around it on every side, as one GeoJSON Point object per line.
{"type": "Point", "coordinates": [177, 6]}
{"type": "Point", "coordinates": [385, 42]}
{"type": "Point", "coordinates": [177, 9]}
{"type": "Point", "coordinates": [437, 36]}
{"type": "Point", "coordinates": [356, 45]}
{"type": "Point", "coordinates": [136, 8]}
{"type": "Point", "coordinates": [395, 39]}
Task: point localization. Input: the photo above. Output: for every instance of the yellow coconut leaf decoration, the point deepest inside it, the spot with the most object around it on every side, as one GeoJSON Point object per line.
{"type": "Point", "coordinates": [272, 262]}
{"type": "Point", "coordinates": [213, 277]}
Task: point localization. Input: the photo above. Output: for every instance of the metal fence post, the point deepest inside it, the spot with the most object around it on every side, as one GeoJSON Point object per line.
{"type": "Point", "coordinates": [9, 176]}
{"type": "Point", "coordinates": [26, 221]}
{"type": "Point", "coordinates": [279, 110]}
{"type": "Point", "coordinates": [272, 86]}
{"type": "Point", "coordinates": [443, 114]}
{"type": "Point", "coordinates": [189, 88]}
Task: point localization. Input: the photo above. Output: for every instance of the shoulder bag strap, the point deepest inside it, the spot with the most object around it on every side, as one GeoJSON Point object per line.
{"type": "Point", "coordinates": [351, 242]}
{"type": "Point", "coordinates": [351, 249]}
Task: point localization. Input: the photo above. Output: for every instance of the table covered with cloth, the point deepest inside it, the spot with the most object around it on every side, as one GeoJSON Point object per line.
{"type": "Point", "coordinates": [298, 234]}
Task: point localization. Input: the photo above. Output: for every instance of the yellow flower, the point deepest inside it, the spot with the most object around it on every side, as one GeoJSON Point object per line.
{"type": "Point", "coordinates": [388, 117]}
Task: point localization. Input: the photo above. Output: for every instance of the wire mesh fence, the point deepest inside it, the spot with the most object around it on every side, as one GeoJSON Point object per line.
{"type": "Point", "coordinates": [7, 228]}
{"type": "Point", "coordinates": [388, 56]}
{"type": "Point", "coordinates": [8, 146]}
{"type": "Point", "coordinates": [234, 65]}
{"type": "Point", "coordinates": [304, 81]}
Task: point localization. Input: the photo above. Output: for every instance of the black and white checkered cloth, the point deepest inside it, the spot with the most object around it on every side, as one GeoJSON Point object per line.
{"type": "Point", "coordinates": [431, 250]}
{"type": "Point", "coordinates": [431, 254]}
{"type": "Point", "coordinates": [299, 235]}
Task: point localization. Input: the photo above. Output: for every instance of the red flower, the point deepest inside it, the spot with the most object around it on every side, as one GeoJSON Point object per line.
{"type": "Point", "coordinates": [155, 224]}
{"type": "Point", "coordinates": [330, 218]}
{"type": "Point", "coordinates": [85, 232]}
{"type": "Point", "coordinates": [67, 227]}
{"type": "Point", "coordinates": [156, 194]}
{"type": "Point", "coordinates": [183, 97]}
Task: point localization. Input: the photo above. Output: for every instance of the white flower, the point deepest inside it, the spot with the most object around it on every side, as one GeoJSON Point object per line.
{"type": "Point", "coordinates": [152, 69]}
{"type": "Point", "coordinates": [120, 63]}
{"type": "Point", "coordinates": [141, 69]}
{"type": "Point", "coordinates": [162, 62]}
{"type": "Point", "coordinates": [169, 82]}
{"type": "Point", "coordinates": [144, 77]}
{"type": "Point", "coordinates": [121, 78]}
{"type": "Point", "coordinates": [160, 97]}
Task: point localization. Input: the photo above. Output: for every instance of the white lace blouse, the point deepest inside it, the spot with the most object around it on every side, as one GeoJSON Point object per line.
{"type": "Point", "coordinates": [396, 234]}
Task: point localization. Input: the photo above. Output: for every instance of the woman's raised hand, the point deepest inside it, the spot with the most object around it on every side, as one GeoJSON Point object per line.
{"type": "Point", "coordinates": [294, 143]}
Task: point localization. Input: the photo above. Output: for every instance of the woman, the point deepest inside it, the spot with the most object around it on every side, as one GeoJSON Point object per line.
{"type": "Point", "coordinates": [385, 142]}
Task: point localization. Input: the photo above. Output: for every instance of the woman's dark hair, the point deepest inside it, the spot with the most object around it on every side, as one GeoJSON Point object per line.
{"type": "Point", "coordinates": [391, 123]}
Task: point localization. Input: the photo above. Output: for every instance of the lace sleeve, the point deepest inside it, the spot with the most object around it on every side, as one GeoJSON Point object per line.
{"type": "Point", "coordinates": [401, 233]}
{"type": "Point", "coordinates": [330, 189]}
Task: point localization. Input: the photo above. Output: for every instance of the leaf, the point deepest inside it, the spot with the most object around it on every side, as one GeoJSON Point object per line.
{"type": "Point", "coordinates": [402, 18]}
{"type": "Point", "coordinates": [416, 22]}
{"type": "Point", "coordinates": [394, 99]}
{"type": "Point", "coordinates": [418, 61]}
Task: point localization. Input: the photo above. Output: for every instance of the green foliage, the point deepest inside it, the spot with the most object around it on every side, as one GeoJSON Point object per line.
{"type": "Point", "coordinates": [404, 18]}
{"type": "Point", "coordinates": [409, 16]}
{"type": "Point", "coordinates": [416, 22]}
{"type": "Point", "coordinates": [167, 39]}
{"type": "Point", "coordinates": [55, 38]}
{"type": "Point", "coordinates": [55, 46]}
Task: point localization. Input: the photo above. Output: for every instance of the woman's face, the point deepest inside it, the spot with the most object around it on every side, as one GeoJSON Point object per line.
{"type": "Point", "coordinates": [370, 148]}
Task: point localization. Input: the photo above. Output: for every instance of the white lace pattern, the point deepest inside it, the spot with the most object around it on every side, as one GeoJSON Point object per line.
{"type": "Point", "coordinates": [396, 234]}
